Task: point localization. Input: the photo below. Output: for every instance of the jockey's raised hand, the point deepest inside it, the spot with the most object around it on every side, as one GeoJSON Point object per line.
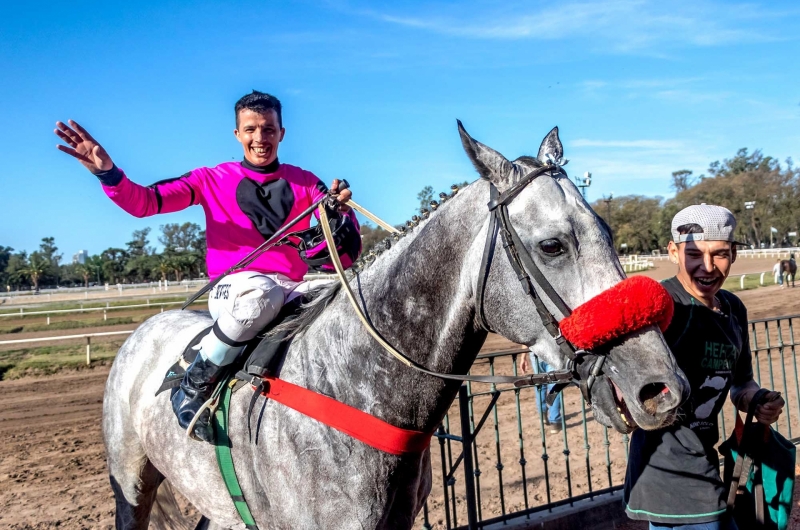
{"type": "Point", "coordinates": [81, 145]}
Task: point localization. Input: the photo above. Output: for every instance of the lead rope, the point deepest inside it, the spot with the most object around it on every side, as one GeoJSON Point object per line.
{"type": "Point", "coordinates": [550, 377]}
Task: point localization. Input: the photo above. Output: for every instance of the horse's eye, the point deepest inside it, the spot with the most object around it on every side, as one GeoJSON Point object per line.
{"type": "Point", "coordinates": [551, 247]}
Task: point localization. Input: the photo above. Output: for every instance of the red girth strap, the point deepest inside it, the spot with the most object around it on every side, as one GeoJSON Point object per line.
{"type": "Point", "coordinates": [344, 418]}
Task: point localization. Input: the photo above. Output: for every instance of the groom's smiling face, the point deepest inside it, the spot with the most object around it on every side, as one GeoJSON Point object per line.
{"type": "Point", "coordinates": [704, 266]}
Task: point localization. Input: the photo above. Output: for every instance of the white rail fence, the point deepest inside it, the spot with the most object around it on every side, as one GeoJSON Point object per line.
{"type": "Point", "coordinates": [755, 253]}
{"type": "Point", "coordinates": [87, 336]}
{"type": "Point", "coordinates": [105, 310]}
{"type": "Point", "coordinates": [761, 276]}
{"type": "Point", "coordinates": [635, 263]}
{"type": "Point", "coordinates": [120, 289]}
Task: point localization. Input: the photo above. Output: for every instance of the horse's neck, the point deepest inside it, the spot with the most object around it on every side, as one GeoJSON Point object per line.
{"type": "Point", "coordinates": [420, 298]}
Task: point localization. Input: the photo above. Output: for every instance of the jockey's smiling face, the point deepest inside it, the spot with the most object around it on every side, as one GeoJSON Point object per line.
{"type": "Point", "coordinates": [703, 266]}
{"type": "Point", "coordinates": [260, 133]}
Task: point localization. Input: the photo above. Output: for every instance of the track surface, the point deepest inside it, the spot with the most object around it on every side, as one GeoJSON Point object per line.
{"type": "Point", "coordinates": [52, 467]}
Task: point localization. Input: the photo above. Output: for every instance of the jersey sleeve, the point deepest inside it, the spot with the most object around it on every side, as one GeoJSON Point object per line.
{"type": "Point", "coordinates": [743, 371]}
{"type": "Point", "coordinates": [165, 196]}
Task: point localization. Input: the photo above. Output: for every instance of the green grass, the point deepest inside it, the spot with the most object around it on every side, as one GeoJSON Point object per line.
{"type": "Point", "coordinates": [69, 324]}
{"type": "Point", "coordinates": [51, 359]}
{"type": "Point", "coordinates": [751, 281]}
{"type": "Point", "coordinates": [732, 284]}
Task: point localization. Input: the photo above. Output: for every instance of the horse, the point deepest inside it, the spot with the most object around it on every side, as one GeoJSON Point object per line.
{"type": "Point", "coordinates": [789, 269]}
{"type": "Point", "coordinates": [420, 295]}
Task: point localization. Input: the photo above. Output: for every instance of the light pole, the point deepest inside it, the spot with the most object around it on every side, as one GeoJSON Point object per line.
{"type": "Point", "coordinates": [607, 200]}
{"type": "Point", "coordinates": [751, 205]}
{"type": "Point", "coordinates": [584, 183]}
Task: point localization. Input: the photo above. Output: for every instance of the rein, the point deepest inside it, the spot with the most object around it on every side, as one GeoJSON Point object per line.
{"type": "Point", "coordinates": [520, 260]}
{"type": "Point", "coordinates": [525, 268]}
{"type": "Point", "coordinates": [544, 378]}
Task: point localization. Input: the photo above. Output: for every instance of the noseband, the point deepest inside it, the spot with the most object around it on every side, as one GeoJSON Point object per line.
{"type": "Point", "coordinates": [578, 370]}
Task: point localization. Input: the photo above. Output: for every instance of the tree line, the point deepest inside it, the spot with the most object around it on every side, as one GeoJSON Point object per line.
{"type": "Point", "coordinates": [642, 224]}
{"type": "Point", "coordinates": [639, 224]}
{"type": "Point", "coordinates": [183, 255]}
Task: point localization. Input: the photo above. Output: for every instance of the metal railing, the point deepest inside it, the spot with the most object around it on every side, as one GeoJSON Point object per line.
{"type": "Point", "coordinates": [483, 472]}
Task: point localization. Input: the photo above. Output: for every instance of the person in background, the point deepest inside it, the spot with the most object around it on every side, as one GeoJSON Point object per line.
{"type": "Point", "coordinates": [777, 272]}
{"type": "Point", "coordinates": [550, 413]}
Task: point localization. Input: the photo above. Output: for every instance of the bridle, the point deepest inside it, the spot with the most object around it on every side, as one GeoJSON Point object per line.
{"type": "Point", "coordinates": [527, 273]}
{"type": "Point", "coordinates": [583, 367]}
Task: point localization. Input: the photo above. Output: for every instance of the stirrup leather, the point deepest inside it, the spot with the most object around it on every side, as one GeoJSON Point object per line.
{"type": "Point", "coordinates": [212, 404]}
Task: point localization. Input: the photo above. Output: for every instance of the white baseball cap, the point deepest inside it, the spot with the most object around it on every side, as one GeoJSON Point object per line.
{"type": "Point", "coordinates": [717, 222]}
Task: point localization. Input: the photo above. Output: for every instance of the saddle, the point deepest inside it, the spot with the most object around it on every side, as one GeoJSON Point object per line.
{"type": "Point", "coordinates": [262, 356]}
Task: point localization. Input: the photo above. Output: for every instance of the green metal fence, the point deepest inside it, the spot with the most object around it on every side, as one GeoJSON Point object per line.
{"type": "Point", "coordinates": [495, 458]}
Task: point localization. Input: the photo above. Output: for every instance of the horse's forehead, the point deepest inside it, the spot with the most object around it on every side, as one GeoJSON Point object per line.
{"type": "Point", "coordinates": [554, 203]}
{"type": "Point", "coordinates": [552, 196]}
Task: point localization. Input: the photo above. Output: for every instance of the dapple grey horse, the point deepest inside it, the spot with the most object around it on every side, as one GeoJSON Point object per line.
{"type": "Point", "coordinates": [420, 295]}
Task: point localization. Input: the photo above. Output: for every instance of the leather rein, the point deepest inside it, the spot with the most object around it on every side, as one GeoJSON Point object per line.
{"type": "Point", "coordinates": [527, 273]}
{"type": "Point", "coordinates": [524, 266]}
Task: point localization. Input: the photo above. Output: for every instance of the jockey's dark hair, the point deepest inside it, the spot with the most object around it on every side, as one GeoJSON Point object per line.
{"type": "Point", "coordinates": [690, 228]}
{"type": "Point", "coordinates": [259, 102]}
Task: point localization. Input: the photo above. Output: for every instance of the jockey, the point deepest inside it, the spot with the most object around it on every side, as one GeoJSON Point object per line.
{"type": "Point", "coordinates": [245, 203]}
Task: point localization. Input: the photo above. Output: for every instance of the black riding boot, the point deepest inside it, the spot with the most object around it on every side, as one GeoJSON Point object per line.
{"type": "Point", "coordinates": [196, 388]}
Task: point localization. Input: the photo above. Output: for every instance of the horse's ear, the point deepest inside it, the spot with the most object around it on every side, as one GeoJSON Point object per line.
{"type": "Point", "coordinates": [489, 163]}
{"type": "Point", "coordinates": [551, 145]}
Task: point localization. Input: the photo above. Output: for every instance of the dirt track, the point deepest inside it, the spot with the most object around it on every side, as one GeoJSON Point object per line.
{"type": "Point", "coordinates": [52, 468]}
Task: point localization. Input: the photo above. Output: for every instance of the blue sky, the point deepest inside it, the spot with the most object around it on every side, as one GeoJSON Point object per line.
{"type": "Point", "coordinates": [371, 93]}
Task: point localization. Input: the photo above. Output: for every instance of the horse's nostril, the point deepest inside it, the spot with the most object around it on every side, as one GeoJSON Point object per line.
{"type": "Point", "coordinates": [652, 395]}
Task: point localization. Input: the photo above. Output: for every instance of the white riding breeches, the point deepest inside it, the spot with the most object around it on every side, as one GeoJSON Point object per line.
{"type": "Point", "coordinates": [242, 304]}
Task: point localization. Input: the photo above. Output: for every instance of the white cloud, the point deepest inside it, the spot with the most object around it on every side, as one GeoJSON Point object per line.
{"type": "Point", "coordinates": [641, 166]}
{"type": "Point", "coordinates": [628, 26]}
{"type": "Point", "coordinates": [685, 90]}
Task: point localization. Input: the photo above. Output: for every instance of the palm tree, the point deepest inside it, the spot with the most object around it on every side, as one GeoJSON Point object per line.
{"type": "Point", "coordinates": [182, 264]}
{"type": "Point", "coordinates": [84, 271]}
{"type": "Point", "coordinates": [94, 264]}
{"type": "Point", "coordinates": [35, 269]}
{"type": "Point", "coordinates": [163, 268]}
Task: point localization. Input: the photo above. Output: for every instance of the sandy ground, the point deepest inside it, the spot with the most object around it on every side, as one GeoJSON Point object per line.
{"type": "Point", "coordinates": [53, 475]}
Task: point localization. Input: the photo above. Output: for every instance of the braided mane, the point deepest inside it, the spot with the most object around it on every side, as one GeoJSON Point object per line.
{"type": "Point", "coordinates": [321, 297]}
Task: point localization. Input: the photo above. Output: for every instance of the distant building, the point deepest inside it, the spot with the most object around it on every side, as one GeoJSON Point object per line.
{"type": "Point", "coordinates": [80, 257]}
